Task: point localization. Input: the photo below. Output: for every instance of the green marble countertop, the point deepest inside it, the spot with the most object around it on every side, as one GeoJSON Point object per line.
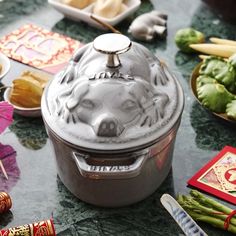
{"type": "Point", "coordinates": [38, 193]}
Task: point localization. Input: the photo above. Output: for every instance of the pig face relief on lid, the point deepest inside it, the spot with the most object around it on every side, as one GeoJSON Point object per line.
{"type": "Point", "coordinates": [112, 105]}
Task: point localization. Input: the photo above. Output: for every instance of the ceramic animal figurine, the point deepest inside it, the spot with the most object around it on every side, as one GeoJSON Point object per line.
{"type": "Point", "coordinates": [148, 25]}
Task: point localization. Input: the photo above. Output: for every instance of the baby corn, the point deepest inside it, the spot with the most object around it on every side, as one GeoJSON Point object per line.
{"type": "Point", "coordinates": [223, 41]}
{"type": "Point", "coordinates": [215, 49]}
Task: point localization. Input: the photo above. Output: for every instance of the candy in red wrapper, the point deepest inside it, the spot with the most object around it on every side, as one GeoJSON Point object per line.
{"type": "Point", "coordinates": [5, 202]}
{"type": "Point", "coordinates": [42, 228]}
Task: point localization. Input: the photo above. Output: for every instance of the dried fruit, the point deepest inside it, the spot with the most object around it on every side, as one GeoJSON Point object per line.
{"type": "Point", "coordinates": [42, 79]}
{"type": "Point", "coordinates": [27, 90]}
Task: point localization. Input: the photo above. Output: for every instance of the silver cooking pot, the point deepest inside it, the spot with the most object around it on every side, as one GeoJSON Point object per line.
{"type": "Point", "coordinates": [112, 116]}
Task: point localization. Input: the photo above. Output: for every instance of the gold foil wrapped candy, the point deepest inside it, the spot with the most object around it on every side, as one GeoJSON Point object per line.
{"type": "Point", "coordinates": [5, 202]}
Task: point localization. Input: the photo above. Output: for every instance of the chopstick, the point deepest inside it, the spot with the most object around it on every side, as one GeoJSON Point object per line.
{"type": "Point", "coordinates": [106, 25]}
{"type": "Point", "coordinates": [3, 170]}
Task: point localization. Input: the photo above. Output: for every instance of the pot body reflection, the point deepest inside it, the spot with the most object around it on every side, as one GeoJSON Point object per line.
{"type": "Point", "coordinates": [107, 181]}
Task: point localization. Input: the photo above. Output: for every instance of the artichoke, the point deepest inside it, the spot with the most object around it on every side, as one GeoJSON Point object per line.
{"type": "Point", "coordinates": [215, 97]}
{"type": "Point", "coordinates": [220, 70]}
{"type": "Point", "coordinates": [232, 60]}
{"type": "Point", "coordinates": [204, 79]}
{"type": "Point", "coordinates": [231, 109]}
{"type": "Point", "coordinates": [187, 36]}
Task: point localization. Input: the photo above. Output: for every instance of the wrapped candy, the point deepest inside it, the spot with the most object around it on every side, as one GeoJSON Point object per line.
{"type": "Point", "coordinates": [42, 228]}
{"type": "Point", "coordinates": [5, 202]}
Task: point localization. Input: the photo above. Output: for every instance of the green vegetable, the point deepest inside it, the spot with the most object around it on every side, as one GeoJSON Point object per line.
{"type": "Point", "coordinates": [231, 109]}
{"type": "Point", "coordinates": [215, 97]}
{"type": "Point", "coordinates": [205, 79]}
{"type": "Point", "coordinates": [232, 60]}
{"type": "Point", "coordinates": [210, 203]}
{"type": "Point", "coordinates": [220, 70]}
{"type": "Point", "coordinates": [187, 36]}
{"type": "Point", "coordinates": [202, 208]}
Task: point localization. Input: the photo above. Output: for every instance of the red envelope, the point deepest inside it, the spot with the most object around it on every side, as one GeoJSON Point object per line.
{"type": "Point", "coordinates": [218, 176]}
{"type": "Point", "coordinates": [38, 47]}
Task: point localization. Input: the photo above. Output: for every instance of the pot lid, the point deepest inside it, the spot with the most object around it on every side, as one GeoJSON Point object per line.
{"type": "Point", "coordinates": [114, 95]}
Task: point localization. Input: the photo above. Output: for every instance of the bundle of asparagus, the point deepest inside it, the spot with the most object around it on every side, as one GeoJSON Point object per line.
{"type": "Point", "coordinates": [202, 208]}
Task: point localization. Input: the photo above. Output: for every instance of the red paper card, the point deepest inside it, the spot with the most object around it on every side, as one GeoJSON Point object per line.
{"type": "Point", "coordinates": [39, 47]}
{"type": "Point", "coordinates": [218, 177]}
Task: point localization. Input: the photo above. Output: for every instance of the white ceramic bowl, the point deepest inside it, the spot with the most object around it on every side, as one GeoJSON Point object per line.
{"type": "Point", "coordinates": [84, 14]}
{"type": "Point", "coordinates": [29, 112]}
{"type": "Point", "coordinates": [5, 63]}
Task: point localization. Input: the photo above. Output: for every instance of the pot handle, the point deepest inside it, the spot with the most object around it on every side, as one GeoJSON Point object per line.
{"type": "Point", "coordinates": [109, 172]}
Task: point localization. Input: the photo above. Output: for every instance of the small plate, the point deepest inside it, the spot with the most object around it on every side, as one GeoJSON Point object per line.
{"type": "Point", "coordinates": [85, 13]}
{"type": "Point", "coordinates": [5, 63]}
{"type": "Point", "coordinates": [29, 112]}
{"type": "Point", "coordinates": [193, 85]}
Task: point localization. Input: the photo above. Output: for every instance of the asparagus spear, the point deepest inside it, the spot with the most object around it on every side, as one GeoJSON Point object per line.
{"type": "Point", "coordinates": [210, 202]}
{"type": "Point", "coordinates": [202, 208]}
{"type": "Point", "coordinates": [190, 204]}
{"type": "Point", "coordinates": [212, 220]}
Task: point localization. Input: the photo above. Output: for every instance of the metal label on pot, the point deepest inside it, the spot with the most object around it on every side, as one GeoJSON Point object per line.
{"type": "Point", "coordinates": [109, 168]}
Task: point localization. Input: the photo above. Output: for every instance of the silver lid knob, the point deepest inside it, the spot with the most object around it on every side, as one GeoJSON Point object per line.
{"type": "Point", "coordinates": [112, 45]}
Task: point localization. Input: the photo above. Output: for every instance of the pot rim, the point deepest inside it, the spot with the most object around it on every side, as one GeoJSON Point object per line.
{"type": "Point", "coordinates": [115, 151]}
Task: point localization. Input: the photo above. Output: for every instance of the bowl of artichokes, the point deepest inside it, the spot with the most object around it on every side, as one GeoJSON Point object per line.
{"type": "Point", "coordinates": [213, 83]}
